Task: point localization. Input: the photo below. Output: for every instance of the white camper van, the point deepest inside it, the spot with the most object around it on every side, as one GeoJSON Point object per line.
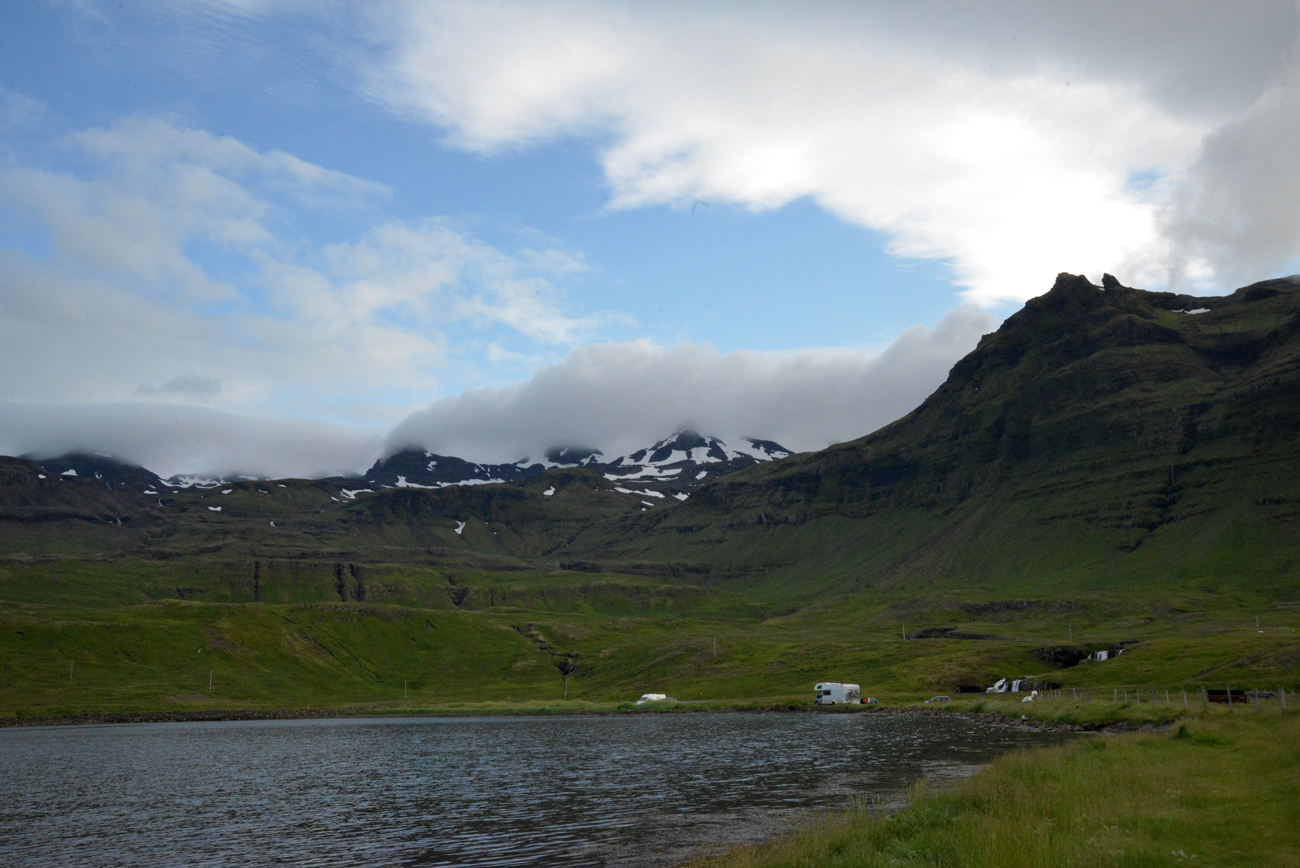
{"type": "Point", "coordinates": [834, 693]}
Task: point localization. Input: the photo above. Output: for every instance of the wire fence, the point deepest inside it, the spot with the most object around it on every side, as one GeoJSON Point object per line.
{"type": "Point", "coordinates": [1185, 696]}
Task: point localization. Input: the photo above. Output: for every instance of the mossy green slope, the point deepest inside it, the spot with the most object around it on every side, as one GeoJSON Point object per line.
{"type": "Point", "coordinates": [1099, 437]}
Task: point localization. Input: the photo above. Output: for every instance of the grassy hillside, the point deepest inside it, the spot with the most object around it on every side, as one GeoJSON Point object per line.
{"type": "Point", "coordinates": [617, 639]}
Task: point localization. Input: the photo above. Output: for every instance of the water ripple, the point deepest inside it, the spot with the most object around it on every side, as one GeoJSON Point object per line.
{"type": "Point", "coordinates": [578, 791]}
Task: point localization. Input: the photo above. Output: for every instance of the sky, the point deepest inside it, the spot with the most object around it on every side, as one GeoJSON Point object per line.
{"type": "Point", "coordinates": [281, 237]}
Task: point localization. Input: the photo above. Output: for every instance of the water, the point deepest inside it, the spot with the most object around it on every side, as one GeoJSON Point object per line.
{"type": "Point", "coordinates": [572, 791]}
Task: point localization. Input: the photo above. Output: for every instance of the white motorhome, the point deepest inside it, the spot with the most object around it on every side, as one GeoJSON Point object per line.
{"type": "Point", "coordinates": [834, 693]}
{"type": "Point", "coordinates": [651, 697]}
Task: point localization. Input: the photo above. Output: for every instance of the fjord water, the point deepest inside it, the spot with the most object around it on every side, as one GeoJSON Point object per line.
{"type": "Point", "coordinates": [553, 791]}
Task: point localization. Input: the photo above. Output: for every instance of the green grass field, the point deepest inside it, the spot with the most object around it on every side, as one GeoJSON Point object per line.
{"type": "Point", "coordinates": [1216, 789]}
{"type": "Point", "coordinates": [616, 638]}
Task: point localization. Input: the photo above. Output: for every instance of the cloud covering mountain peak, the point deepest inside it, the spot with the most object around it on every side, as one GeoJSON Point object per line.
{"type": "Point", "coordinates": [611, 397]}
{"type": "Point", "coordinates": [618, 397]}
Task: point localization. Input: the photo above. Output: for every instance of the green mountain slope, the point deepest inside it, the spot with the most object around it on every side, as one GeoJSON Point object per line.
{"type": "Point", "coordinates": [1102, 436]}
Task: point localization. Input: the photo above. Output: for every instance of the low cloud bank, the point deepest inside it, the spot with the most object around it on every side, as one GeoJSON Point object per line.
{"type": "Point", "coordinates": [620, 397]}
{"type": "Point", "coordinates": [170, 439]}
{"type": "Point", "coordinates": [613, 397]}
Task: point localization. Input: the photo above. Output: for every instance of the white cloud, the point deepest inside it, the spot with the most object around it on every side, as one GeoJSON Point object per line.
{"type": "Point", "coordinates": [171, 439]}
{"type": "Point", "coordinates": [616, 397]}
{"type": "Point", "coordinates": [1002, 137]}
{"type": "Point", "coordinates": [620, 397]}
{"type": "Point", "coordinates": [174, 253]}
{"type": "Point", "coordinates": [1237, 215]}
{"type": "Point", "coordinates": [18, 111]}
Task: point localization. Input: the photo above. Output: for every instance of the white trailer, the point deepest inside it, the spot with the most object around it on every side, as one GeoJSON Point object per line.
{"type": "Point", "coordinates": [834, 693]}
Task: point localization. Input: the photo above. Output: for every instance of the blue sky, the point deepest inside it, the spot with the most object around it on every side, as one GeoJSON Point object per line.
{"type": "Point", "coordinates": [339, 216]}
{"type": "Point", "coordinates": [790, 278]}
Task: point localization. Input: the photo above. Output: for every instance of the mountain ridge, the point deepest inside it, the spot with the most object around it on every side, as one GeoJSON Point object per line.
{"type": "Point", "coordinates": [419, 468]}
{"type": "Point", "coordinates": [1103, 436]}
{"type": "Point", "coordinates": [1106, 412]}
{"type": "Point", "coordinates": [674, 465]}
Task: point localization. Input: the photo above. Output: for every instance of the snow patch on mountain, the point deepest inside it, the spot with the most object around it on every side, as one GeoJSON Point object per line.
{"type": "Point", "coordinates": [674, 465]}
{"type": "Point", "coordinates": [193, 482]}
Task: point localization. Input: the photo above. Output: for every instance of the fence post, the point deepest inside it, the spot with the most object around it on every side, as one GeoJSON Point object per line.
{"type": "Point", "coordinates": [1205, 699]}
{"type": "Point", "coordinates": [1257, 700]}
{"type": "Point", "coordinates": [1229, 699]}
{"type": "Point", "coordinates": [1184, 699]}
{"type": "Point", "coordinates": [1281, 698]}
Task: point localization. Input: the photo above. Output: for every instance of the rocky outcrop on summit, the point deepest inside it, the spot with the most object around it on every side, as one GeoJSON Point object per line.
{"type": "Point", "coordinates": [1083, 374]}
{"type": "Point", "coordinates": [415, 468]}
{"type": "Point", "coordinates": [679, 464]}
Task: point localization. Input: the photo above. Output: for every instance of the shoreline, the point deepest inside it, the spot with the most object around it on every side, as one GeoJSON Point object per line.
{"type": "Point", "coordinates": [1212, 788]}
{"type": "Point", "coordinates": [989, 718]}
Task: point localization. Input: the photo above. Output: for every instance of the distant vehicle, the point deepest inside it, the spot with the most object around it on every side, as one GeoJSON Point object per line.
{"type": "Point", "coordinates": [834, 693]}
{"type": "Point", "coordinates": [651, 697]}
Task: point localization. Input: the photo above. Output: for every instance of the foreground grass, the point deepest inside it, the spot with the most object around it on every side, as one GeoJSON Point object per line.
{"type": "Point", "coordinates": [1214, 790]}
